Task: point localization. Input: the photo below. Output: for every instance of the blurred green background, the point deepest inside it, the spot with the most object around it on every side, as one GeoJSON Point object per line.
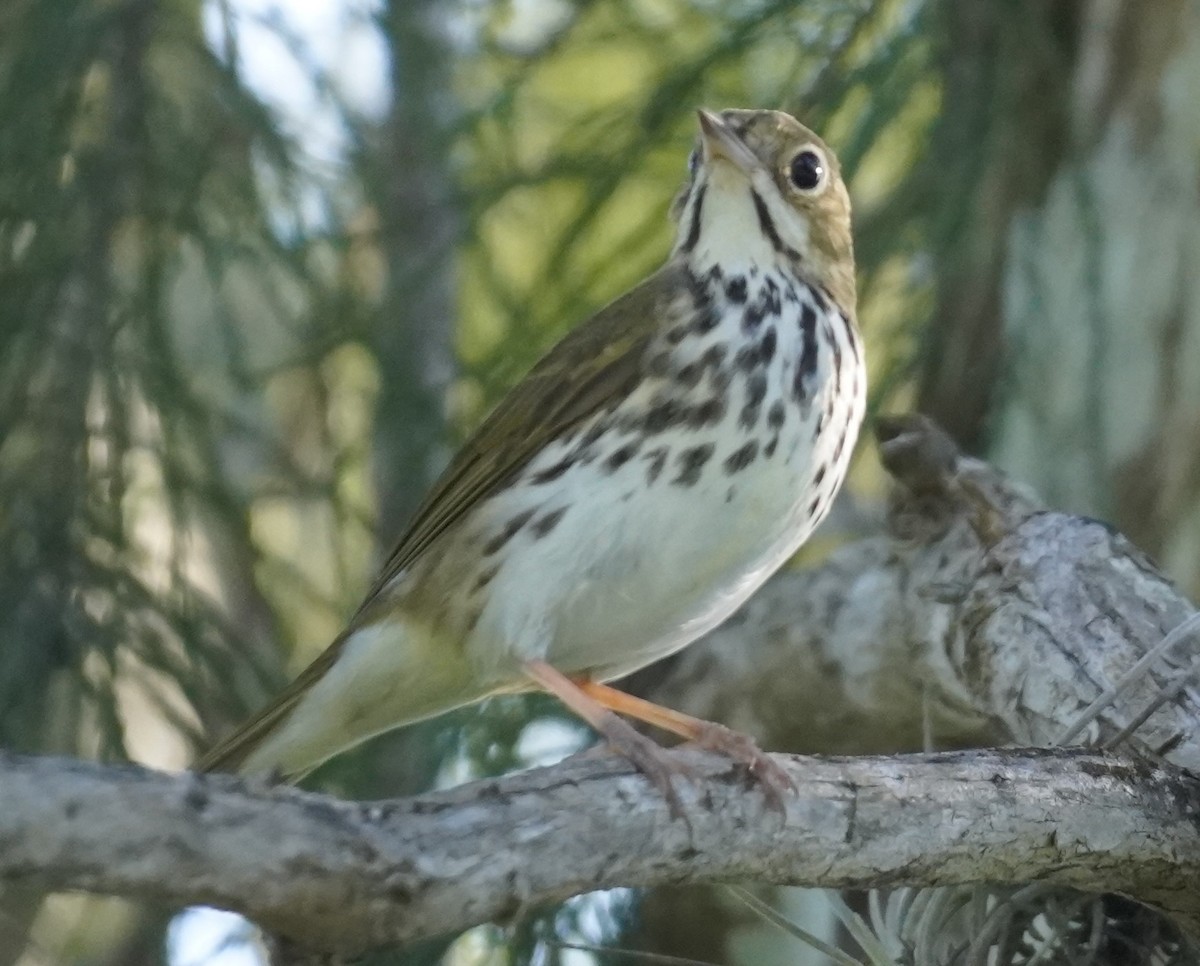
{"type": "Point", "coordinates": [262, 264]}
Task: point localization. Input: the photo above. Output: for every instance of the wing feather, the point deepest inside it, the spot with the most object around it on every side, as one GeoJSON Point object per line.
{"type": "Point", "coordinates": [594, 366]}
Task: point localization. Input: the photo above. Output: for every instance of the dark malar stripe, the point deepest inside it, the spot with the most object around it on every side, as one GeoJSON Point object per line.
{"type": "Point", "coordinates": [767, 225]}
{"type": "Point", "coordinates": [764, 221]}
{"type": "Point", "coordinates": [693, 236]}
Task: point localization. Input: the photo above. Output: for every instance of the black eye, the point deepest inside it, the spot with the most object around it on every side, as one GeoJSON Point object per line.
{"type": "Point", "coordinates": [806, 170]}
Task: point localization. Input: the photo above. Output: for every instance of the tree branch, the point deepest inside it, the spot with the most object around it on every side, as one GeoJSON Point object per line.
{"type": "Point", "coordinates": [977, 612]}
{"type": "Point", "coordinates": [344, 875]}
{"type": "Point", "coordinates": [999, 620]}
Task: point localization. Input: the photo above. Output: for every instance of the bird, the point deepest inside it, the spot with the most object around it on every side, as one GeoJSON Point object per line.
{"type": "Point", "coordinates": [631, 491]}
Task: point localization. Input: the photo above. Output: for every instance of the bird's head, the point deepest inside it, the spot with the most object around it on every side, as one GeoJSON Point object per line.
{"type": "Point", "coordinates": [764, 190]}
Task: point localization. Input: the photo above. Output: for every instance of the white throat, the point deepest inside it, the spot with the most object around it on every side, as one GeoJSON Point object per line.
{"type": "Point", "coordinates": [730, 230]}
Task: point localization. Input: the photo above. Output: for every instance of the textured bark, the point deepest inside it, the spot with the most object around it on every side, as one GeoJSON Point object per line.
{"type": "Point", "coordinates": [977, 609]}
{"type": "Point", "coordinates": [978, 617]}
{"type": "Point", "coordinates": [351, 875]}
{"type": "Point", "coordinates": [963, 623]}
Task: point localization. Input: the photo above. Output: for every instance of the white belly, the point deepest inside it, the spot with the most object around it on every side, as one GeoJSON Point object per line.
{"type": "Point", "coordinates": [640, 563]}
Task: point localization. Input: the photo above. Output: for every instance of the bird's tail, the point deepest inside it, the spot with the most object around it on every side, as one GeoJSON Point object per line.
{"type": "Point", "coordinates": [371, 679]}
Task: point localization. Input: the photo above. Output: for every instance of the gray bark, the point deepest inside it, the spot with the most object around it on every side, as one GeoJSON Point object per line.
{"type": "Point", "coordinates": [347, 875]}
{"type": "Point", "coordinates": [977, 617]}
{"type": "Point", "coordinates": [977, 611]}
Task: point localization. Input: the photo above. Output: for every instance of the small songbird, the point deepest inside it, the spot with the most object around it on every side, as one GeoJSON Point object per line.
{"type": "Point", "coordinates": [642, 481]}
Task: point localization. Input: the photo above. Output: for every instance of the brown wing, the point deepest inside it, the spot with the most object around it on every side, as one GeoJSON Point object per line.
{"type": "Point", "coordinates": [595, 365]}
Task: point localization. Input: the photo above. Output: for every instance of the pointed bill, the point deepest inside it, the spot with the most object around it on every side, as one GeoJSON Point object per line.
{"type": "Point", "coordinates": [721, 142]}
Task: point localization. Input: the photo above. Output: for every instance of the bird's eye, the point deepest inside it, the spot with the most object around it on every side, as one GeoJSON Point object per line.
{"type": "Point", "coordinates": [807, 170]}
{"type": "Point", "coordinates": [694, 161]}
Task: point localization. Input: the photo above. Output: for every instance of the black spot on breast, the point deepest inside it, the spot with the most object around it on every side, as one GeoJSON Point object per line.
{"type": "Point", "coordinates": [766, 304]}
{"type": "Point", "coordinates": [662, 416]}
{"type": "Point", "coordinates": [484, 578]}
{"type": "Point", "coordinates": [819, 296]}
{"type": "Point", "coordinates": [706, 320]}
{"type": "Point", "coordinates": [699, 287]}
{"type": "Point", "coordinates": [836, 345]}
{"type": "Point", "coordinates": [756, 391]}
{"type": "Point", "coordinates": [735, 290]}
{"type": "Point", "coordinates": [854, 346]}
{"type": "Point", "coordinates": [766, 348]}
{"type": "Point", "coordinates": [840, 445]}
{"type": "Point", "coordinates": [655, 460]}
{"type": "Point", "coordinates": [552, 473]}
{"type": "Point", "coordinates": [752, 316]}
{"type": "Point", "coordinates": [507, 532]}
{"type": "Point", "coordinates": [770, 296]}
{"type": "Point", "coordinates": [746, 358]}
{"type": "Point", "coordinates": [776, 414]}
{"type": "Point", "coordinates": [713, 356]}
{"type": "Point", "coordinates": [806, 368]}
{"type": "Point", "coordinates": [677, 334]}
{"type": "Point", "coordinates": [707, 413]}
{"type": "Point", "coordinates": [594, 433]}
{"type": "Point", "coordinates": [814, 507]}
{"type": "Point", "coordinates": [622, 455]}
{"type": "Point", "coordinates": [688, 375]}
{"type": "Point", "coordinates": [741, 457]}
{"type": "Point", "coordinates": [545, 524]}
{"type": "Point", "coordinates": [831, 339]}
{"type": "Point", "coordinates": [691, 461]}
{"type": "Point", "coordinates": [808, 335]}
{"type": "Point", "coordinates": [659, 364]}
{"type": "Point", "coordinates": [769, 449]}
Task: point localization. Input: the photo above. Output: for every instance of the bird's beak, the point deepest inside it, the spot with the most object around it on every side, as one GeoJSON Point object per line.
{"type": "Point", "coordinates": [720, 142]}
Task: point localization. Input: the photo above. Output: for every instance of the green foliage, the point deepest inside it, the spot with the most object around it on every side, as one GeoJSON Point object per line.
{"type": "Point", "coordinates": [219, 354]}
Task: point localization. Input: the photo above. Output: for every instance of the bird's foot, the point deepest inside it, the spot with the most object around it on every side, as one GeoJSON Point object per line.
{"type": "Point", "coordinates": [777, 784]}
{"type": "Point", "coordinates": [652, 760]}
{"type": "Point", "coordinates": [660, 767]}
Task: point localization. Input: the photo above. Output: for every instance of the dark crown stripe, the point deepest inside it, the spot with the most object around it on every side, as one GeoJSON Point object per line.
{"type": "Point", "coordinates": [693, 236]}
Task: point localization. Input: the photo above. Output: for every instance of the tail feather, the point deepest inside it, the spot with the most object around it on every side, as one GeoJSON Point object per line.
{"type": "Point", "coordinates": [231, 753]}
{"type": "Point", "coordinates": [374, 678]}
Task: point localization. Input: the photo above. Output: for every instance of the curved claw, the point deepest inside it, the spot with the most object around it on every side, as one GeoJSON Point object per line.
{"type": "Point", "coordinates": [776, 783]}
{"type": "Point", "coordinates": [651, 759]}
